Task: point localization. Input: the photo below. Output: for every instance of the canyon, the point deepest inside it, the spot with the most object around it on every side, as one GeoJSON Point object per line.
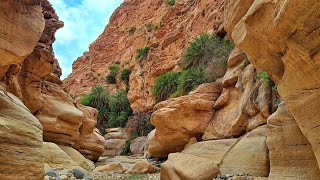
{"type": "Point", "coordinates": [258, 120]}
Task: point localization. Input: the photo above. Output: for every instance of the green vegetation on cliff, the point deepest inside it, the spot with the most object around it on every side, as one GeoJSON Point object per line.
{"type": "Point", "coordinates": [206, 48]}
{"type": "Point", "coordinates": [203, 61]}
{"type": "Point", "coordinates": [114, 110]}
{"type": "Point", "coordinates": [142, 53]}
{"type": "Point", "coordinates": [164, 86]}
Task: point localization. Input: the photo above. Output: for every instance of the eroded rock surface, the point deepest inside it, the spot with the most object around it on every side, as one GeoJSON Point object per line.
{"type": "Point", "coordinates": [244, 103]}
{"type": "Point", "coordinates": [34, 78]}
{"type": "Point", "coordinates": [286, 45]}
{"type": "Point", "coordinates": [179, 119]}
{"type": "Point", "coordinates": [290, 153]}
{"type": "Point", "coordinates": [20, 140]}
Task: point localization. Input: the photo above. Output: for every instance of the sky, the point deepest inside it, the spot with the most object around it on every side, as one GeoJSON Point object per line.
{"type": "Point", "coordinates": [84, 21]}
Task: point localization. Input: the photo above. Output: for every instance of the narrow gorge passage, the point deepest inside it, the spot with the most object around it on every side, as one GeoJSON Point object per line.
{"type": "Point", "coordinates": [161, 90]}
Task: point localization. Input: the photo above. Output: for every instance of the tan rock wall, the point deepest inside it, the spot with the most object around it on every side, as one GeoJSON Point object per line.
{"type": "Point", "coordinates": [30, 71]}
{"type": "Point", "coordinates": [285, 44]}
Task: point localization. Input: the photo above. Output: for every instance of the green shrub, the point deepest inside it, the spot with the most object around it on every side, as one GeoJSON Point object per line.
{"type": "Point", "coordinates": [171, 2]}
{"type": "Point", "coordinates": [142, 53]}
{"type": "Point", "coordinates": [98, 98]}
{"type": "Point", "coordinates": [132, 30]}
{"type": "Point", "coordinates": [126, 150]}
{"type": "Point", "coordinates": [164, 86]}
{"type": "Point", "coordinates": [113, 67]}
{"type": "Point", "coordinates": [112, 77]}
{"type": "Point", "coordinates": [125, 75]}
{"type": "Point", "coordinates": [119, 108]}
{"type": "Point", "coordinates": [262, 75]}
{"type": "Point", "coordinates": [189, 80]}
{"type": "Point", "coordinates": [114, 110]}
{"type": "Point", "coordinates": [205, 49]}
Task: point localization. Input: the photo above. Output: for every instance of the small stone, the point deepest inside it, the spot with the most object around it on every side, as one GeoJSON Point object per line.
{"type": "Point", "coordinates": [88, 178]}
{"type": "Point", "coordinates": [64, 177]}
{"type": "Point", "coordinates": [70, 175]}
{"type": "Point", "coordinates": [78, 174]}
{"type": "Point", "coordinates": [51, 173]}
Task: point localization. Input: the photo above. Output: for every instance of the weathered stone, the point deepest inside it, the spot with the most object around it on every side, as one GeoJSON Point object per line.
{"type": "Point", "coordinates": [78, 158]}
{"type": "Point", "coordinates": [188, 167]}
{"type": "Point", "coordinates": [212, 150]}
{"type": "Point", "coordinates": [55, 157]}
{"type": "Point", "coordinates": [115, 167]}
{"type": "Point", "coordinates": [114, 147]}
{"type": "Point", "coordinates": [137, 145]}
{"type": "Point", "coordinates": [91, 146]}
{"type": "Point", "coordinates": [179, 119]}
{"type": "Point", "coordinates": [285, 45]}
{"type": "Point", "coordinates": [142, 167]}
{"type": "Point", "coordinates": [290, 153]}
{"type": "Point", "coordinates": [236, 57]}
{"type": "Point", "coordinates": [20, 141]}
{"type": "Point", "coordinates": [249, 155]}
{"type": "Point", "coordinates": [20, 31]}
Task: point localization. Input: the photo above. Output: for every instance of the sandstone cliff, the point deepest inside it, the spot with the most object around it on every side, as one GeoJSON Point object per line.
{"type": "Point", "coordinates": [166, 29]}
{"type": "Point", "coordinates": [286, 45]}
{"type": "Point", "coordinates": [281, 38]}
{"type": "Point", "coordinates": [30, 73]}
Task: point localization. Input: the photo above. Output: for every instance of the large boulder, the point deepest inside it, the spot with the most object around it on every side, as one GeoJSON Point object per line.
{"type": "Point", "coordinates": [115, 141]}
{"type": "Point", "coordinates": [20, 140]}
{"type": "Point", "coordinates": [249, 155]}
{"type": "Point", "coordinates": [60, 119]}
{"type": "Point", "coordinates": [188, 167]}
{"type": "Point", "coordinates": [78, 158]}
{"type": "Point", "coordinates": [213, 150]}
{"type": "Point", "coordinates": [55, 157]}
{"type": "Point", "coordinates": [179, 119]}
{"type": "Point", "coordinates": [142, 167]}
{"type": "Point", "coordinates": [91, 145]}
{"type": "Point", "coordinates": [285, 45]}
{"type": "Point", "coordinates": [290, 153]}
{"type": "Point", "coordinates": [137, 145]}
{"type": "Point", "coordinates": [115, 167]}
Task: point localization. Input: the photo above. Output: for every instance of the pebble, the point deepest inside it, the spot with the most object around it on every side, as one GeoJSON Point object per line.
{"type": "Point", "coordinates": [78, 174]}
{"type": "Point", "coordinates": [51, 173]}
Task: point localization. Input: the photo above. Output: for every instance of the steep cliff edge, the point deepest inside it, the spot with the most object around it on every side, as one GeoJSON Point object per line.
{"type": "Point", "coordinates": [166, 29]}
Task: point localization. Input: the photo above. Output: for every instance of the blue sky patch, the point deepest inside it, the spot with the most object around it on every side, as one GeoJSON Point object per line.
{"type": "Point", "coordinates": [84, 21]}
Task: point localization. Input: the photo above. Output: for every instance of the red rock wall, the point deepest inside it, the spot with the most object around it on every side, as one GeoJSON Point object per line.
{"type": "Point", "coordinates": [177, 26]}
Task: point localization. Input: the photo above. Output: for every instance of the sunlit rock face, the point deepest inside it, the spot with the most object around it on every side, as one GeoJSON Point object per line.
{"type": "Point", "coordinates": [22, 24]}
{"type": "Point", "coordinates": [179, 119]}
{"type": "Point", "coordinates": [282, 38]}
{"type": "Point", "coordinates": [166, 29]}
{"type": "Point", "coordinates": [31, 72]}
{"type": "Point", "coordinates": [21, 141]}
